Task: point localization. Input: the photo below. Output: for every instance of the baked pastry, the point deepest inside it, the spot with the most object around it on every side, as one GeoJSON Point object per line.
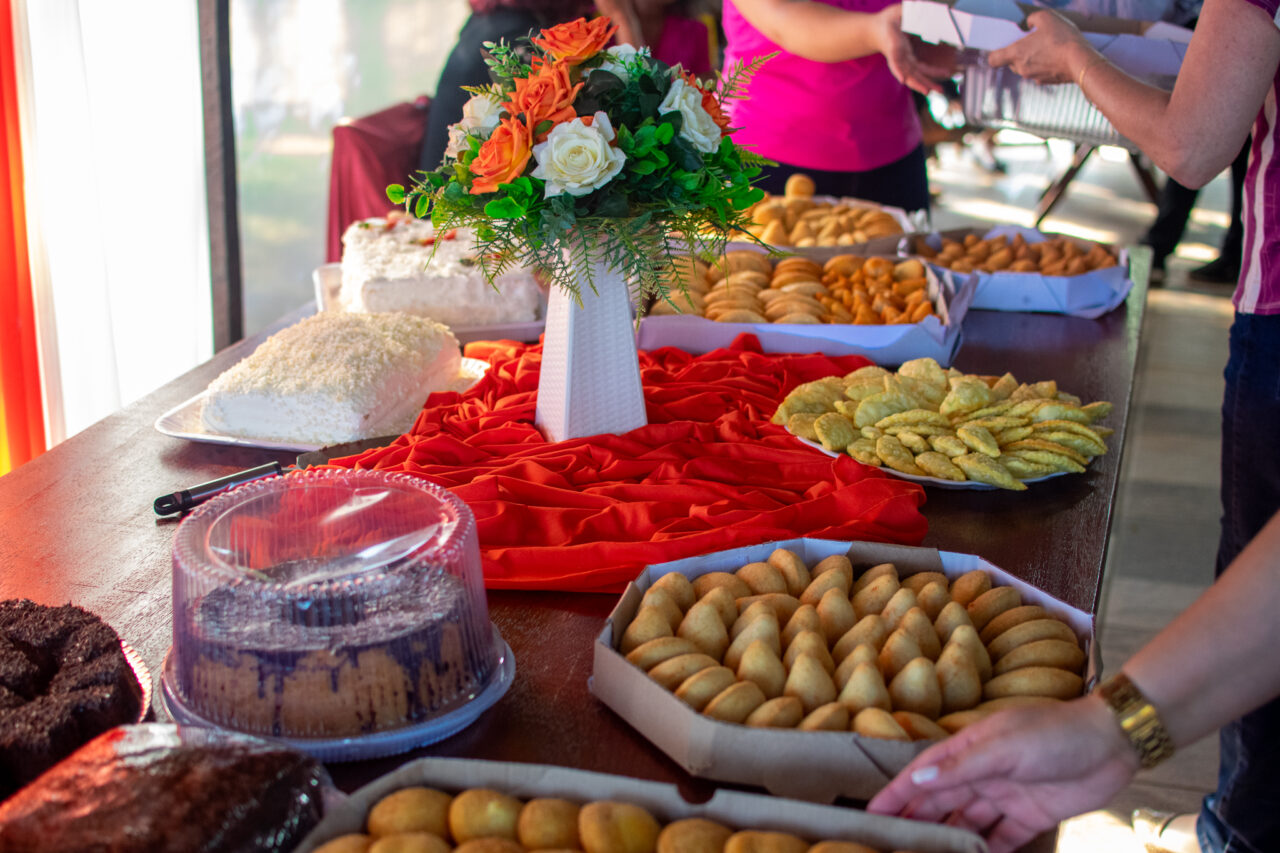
{"type": "Point", "coordinates": [334, 378]}
{"type": "Point", "coordinates": [401, 264]}
{"type": "Point", "coordinates": [63, 680]}
{"type": "Point", "coordinates": [167, 789]}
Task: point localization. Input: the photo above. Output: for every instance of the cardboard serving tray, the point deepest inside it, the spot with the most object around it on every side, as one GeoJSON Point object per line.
{"type": "Point", "coordinates": [938, 337]}
{"type": "Point", "coordinates": [1148, 50]}
{"type": "Point", "coordinates": [816, 766]}
{"type": "Point", "coordinates": [1088, 296]}
{"type": "Point", "coordinates": [732, 808]}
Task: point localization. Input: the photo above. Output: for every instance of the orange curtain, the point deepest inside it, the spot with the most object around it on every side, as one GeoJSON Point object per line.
{"type": "Point", "coordinates": [21, 411]}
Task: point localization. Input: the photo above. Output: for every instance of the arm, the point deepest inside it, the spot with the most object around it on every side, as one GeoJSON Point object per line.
{"type": "Point", "coordinates": [825, 33]}
{"type": "Point", "coordinates": [1017, 773]}
{"type": "Point", "coordinates": [1192, 133]}
{"type": "Point", "coordinates": [623, 13]}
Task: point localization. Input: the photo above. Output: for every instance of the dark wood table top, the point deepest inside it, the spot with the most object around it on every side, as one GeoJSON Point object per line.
{"type": "Point", "coordinates": [78, 526]}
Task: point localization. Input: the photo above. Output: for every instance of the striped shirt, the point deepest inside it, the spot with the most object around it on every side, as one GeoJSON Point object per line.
{"type": "Point", "coordinates": [1258, 291]}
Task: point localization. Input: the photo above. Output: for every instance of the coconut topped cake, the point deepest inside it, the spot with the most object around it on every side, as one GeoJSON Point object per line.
{"type": "Point", "coordinates": [335, 377]}
{"type": "Point", "coordinates": [402, 264]}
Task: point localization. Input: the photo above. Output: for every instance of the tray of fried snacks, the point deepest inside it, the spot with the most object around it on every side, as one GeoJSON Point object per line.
{"type": "Point", "coordinates": [437, 804]}
{"type": "Point", "coordinates": [1022, 269]}
{"type": "Point", "coordinates": [799, 218]}
{"type": "Point", "coordinates": [948, 428]}
{"type": "Point", "coordinates": [819, 669]}
{"type": "Point", "coordinates": [890, 309]}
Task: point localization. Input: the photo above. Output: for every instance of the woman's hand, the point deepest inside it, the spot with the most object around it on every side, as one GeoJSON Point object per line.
{"type": "Point", "coordinates": [1054, 51]}
{"type": "Point", "coordinates": [1017, 773]}
{"type": "Point", "coordinates": [902, 59]}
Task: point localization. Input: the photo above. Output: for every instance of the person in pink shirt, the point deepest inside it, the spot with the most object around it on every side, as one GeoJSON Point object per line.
{"type": "Point", "coordinates": [833, 102]}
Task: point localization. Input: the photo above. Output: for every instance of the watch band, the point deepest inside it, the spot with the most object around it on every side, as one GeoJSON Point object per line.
{"type": "Point", "coordinates": [1138, 718]}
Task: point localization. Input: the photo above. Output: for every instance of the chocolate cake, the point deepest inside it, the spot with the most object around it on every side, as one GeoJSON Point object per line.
{"type": "Point", "coordinates": [167, 789]}
{"type": "Point", "coordinates": [63, 680]}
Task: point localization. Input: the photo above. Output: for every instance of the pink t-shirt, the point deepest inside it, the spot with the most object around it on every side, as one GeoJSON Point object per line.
{"type": "Point", "coordinates": [1258, 291]}
{"type": "Point", "coordinates": [837, 116]}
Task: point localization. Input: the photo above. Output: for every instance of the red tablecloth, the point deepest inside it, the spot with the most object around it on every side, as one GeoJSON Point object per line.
{"type": "Point", "coordinates": [709, 472]}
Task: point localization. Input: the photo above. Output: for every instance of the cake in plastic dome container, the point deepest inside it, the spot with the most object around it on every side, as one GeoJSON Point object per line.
{"type": "Point", "coordinates": [343, 611]}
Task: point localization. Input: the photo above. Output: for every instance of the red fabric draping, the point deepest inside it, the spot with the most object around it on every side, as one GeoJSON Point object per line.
{"type": "Point", "coordinates": [368, 154]}
{"type": "Point", "coordinates": [21, 398]}
{"type": "Point", "coordinates": [708, 472]}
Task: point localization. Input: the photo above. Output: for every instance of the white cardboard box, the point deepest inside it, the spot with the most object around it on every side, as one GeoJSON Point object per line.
{"type": "Point", "coordinates": [1146, 50]}
{"type": "Point", "coordinates": [1089, 295]}
{"type": "Point", "coordinates": [938, 337]}
{"type": "Point", "coordinates": [732, 808]}
{"type": "Point", "coordinates": [816, 766]}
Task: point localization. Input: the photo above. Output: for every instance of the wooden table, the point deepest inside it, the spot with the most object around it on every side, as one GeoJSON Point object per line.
{"type": "Point", "coordinates": [78, 526]}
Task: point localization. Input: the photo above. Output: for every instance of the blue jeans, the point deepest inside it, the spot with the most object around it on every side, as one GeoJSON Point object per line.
{"type": "Point", "coordinates": [1243, 815]}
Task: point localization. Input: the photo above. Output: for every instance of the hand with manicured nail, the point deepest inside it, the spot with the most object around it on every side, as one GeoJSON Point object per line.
{"type": "Point", "coordinates": [1016, 773]}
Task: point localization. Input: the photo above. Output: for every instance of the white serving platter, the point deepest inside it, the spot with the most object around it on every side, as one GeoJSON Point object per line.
{"type": "Point", "coordinates": [937, 482]}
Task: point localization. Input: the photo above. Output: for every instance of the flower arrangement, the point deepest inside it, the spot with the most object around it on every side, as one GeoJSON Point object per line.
{"type": "Point", "coordinates": [587, 152]}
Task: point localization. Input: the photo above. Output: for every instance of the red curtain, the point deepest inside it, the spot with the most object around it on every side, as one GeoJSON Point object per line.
{"type": "Point", "coordinates": [21, 411]}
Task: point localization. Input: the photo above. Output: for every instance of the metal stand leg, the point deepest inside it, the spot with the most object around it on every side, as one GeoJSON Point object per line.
{"type": "Point", "coordinates": [1146, 176]}
{"type": "Point", "coordinates": [1056, 190]}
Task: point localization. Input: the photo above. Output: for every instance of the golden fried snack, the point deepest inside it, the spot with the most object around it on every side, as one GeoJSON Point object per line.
{"type": "Point", "coordinates": [780, 712]}
{"type": "Point", "coordinates": [969, 586]}
{"type": "Point", "coordinates": [1052, 653]}
{"type": "Point", "coordinates": [612, 827]}
{"type": "Point", "coordinates": [915, 688]}
{"type": "Point", "coordinates": [871, 574]}
{"type": "Point", "coordinates": [654, 652]}
{"type": "Point", "coordinates": [805, 618]}
{"type": "Point", "coordinates": [764, 628]}
{"type": "Point", "coordinates": [841, 847]}
{"type": "Point", "coordinates": [704, 627]}
{"type": "Point", "coordinates": [835, 431]}
{"type": "Point", "coordinates": [832, 717]}
{"type": "Point", "coordinates": [952, 616]}
{"type": "Point", "coordinates": [918, 726]}
{"type": "Point", "coordinates": [548, 823]}
{"type": "Point", "coordinates": [760, 841]}
{"type": "Point", "coordinates": [875, 722]}
{"type": "Point", "coordinates": [916, 623]}
{"type": "Point", "coordinates": [410, 842]}
{"type": "Point", "coordinates": [792, 568]}
{"type": "Point", "coordinates": [483, 813]}
{"type": "Point", "coordinates": [958, 679]}
{"type": "Point", "coordinates": [899, 650]}
{"type": "Point", "coordinates": [813, 644]}
{"type": "Point", "coordinates": [1009, 618]}
{"type": "Point", "coordinates": [835, 615]}
{"type": "Point", "coordinates": [818, 587]}
{"type": "Point", "coordinates": [1034, 681]}
{"type": "Point", "coordinates": [875, 596]}
{"type": "Point", "coordinates": [939, 465]}
{"type": "Point", "coordinates": [869, 630]}
{"type": "Point", "coordinates": [703, 686]}
{"type": "Point", "coordinates": [784, 606]}
{"type": "Point", "coordinates": [991, 604]}
{"type": "Point", "coordinates": [671, 673]}
{"type": "Point", "coordinates": [861, 654]}
{"type": "Point", "coordinates": [932, 599]}
{"type": "Point", "coordinates": [703, 584]}
{"type": "Point", "coordinates": [762, 577]}
{"type": "Point", "coordinates": [1029, 632]}
{"type": "Point", "coordinates": [413, 809]}
{"type": "Point", "coordinates": [649, 623]}
{"type": "Point", "coordinates": [664, 603]}
{"type": "Point", "coordinates": [736, 703]}
{"type": "Point", "coordinates": [762, 666]}
{"type": "Point", "coordinates": [693, 835]}
{"type": "Point", "coordinates": [983, 469]}
{"type": "Point", "coordinates": [679, 587]}
{"type": "Point", "coordinates": [865, 689]}
{"type": "Point", "coordinates": [810, 681]}
{"type": "Point", "coordinates": [965, 636]}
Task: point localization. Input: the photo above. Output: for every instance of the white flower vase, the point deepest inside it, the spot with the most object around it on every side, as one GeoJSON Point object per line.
{"type": "Point", "coordinates": [590, 380]}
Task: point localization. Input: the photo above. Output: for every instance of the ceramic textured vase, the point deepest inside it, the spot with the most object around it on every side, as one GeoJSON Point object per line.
{"type": "Point", "coordinates": [590, 380]}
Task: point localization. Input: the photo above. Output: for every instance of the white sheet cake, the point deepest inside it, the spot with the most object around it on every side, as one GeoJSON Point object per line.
{"type": "Point", "coordinates": [403, 265]}
{"type": "Point", "coordinates": [335, 377]}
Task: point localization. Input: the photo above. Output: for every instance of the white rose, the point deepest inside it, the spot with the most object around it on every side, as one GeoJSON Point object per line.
{"type": "Point", "coordinates": [577, 159]}
{"type": "Point", "coordinates": [457, 141]}
{"type": "Point", "coordinates": [482, 112]}
{"type": "Point", "coordinates": [618, 56]}
{"type": "Point", "coordinates": [699, 128]}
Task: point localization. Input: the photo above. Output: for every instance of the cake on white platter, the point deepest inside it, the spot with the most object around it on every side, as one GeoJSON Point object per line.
{"type": "Point", "coordinates": [402, 264]}
{"type": "Point", "coordinates": [335, 377]}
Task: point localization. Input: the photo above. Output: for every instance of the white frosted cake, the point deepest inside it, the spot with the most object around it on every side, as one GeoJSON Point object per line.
{"type": "Point", "coordinates": [401, 264]}
{"type": "Point", "coordinates": [335, 377]}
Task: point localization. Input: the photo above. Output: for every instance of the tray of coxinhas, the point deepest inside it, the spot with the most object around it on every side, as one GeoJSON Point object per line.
{"type": "Point", "coordinates": [947, 428]}
{"type": "Point", "coordinates": [746, 286]}
{"type": "Point", "coordinates": [435, 805]}
{"type": "Point", "coordinates": [835, 647]}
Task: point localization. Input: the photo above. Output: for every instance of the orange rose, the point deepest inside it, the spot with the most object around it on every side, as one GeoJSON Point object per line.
{"type": "Point", "coordinates": [545, 95]}
{"type": "Point", "coordinates": [502, 157]}
{"type": "Point", "coordinates": [575, 42]}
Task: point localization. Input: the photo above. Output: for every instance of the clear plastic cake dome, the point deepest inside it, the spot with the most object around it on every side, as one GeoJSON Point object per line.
{"type": "Point", "coordinates": [340, 610]}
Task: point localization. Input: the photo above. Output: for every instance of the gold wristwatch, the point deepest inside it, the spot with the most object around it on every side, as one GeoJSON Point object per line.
{"type": "Point", "coordinates": [1138, 718]}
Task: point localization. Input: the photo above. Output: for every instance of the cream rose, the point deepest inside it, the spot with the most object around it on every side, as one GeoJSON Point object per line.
{"type": "Point", "coordinates": [698, 127]}
{"type": "Point", "coordinates": [480, 115]}
{"type": "Point", "coordinates": [577, 158]}
{"type": "Point", "coordinates": [616, 58]}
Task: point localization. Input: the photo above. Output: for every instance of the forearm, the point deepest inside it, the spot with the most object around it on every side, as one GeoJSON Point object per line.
{"type": "Point", "coordinates": [811, 30]}
{"type": "Point", "coordinates": [1218, 659]}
